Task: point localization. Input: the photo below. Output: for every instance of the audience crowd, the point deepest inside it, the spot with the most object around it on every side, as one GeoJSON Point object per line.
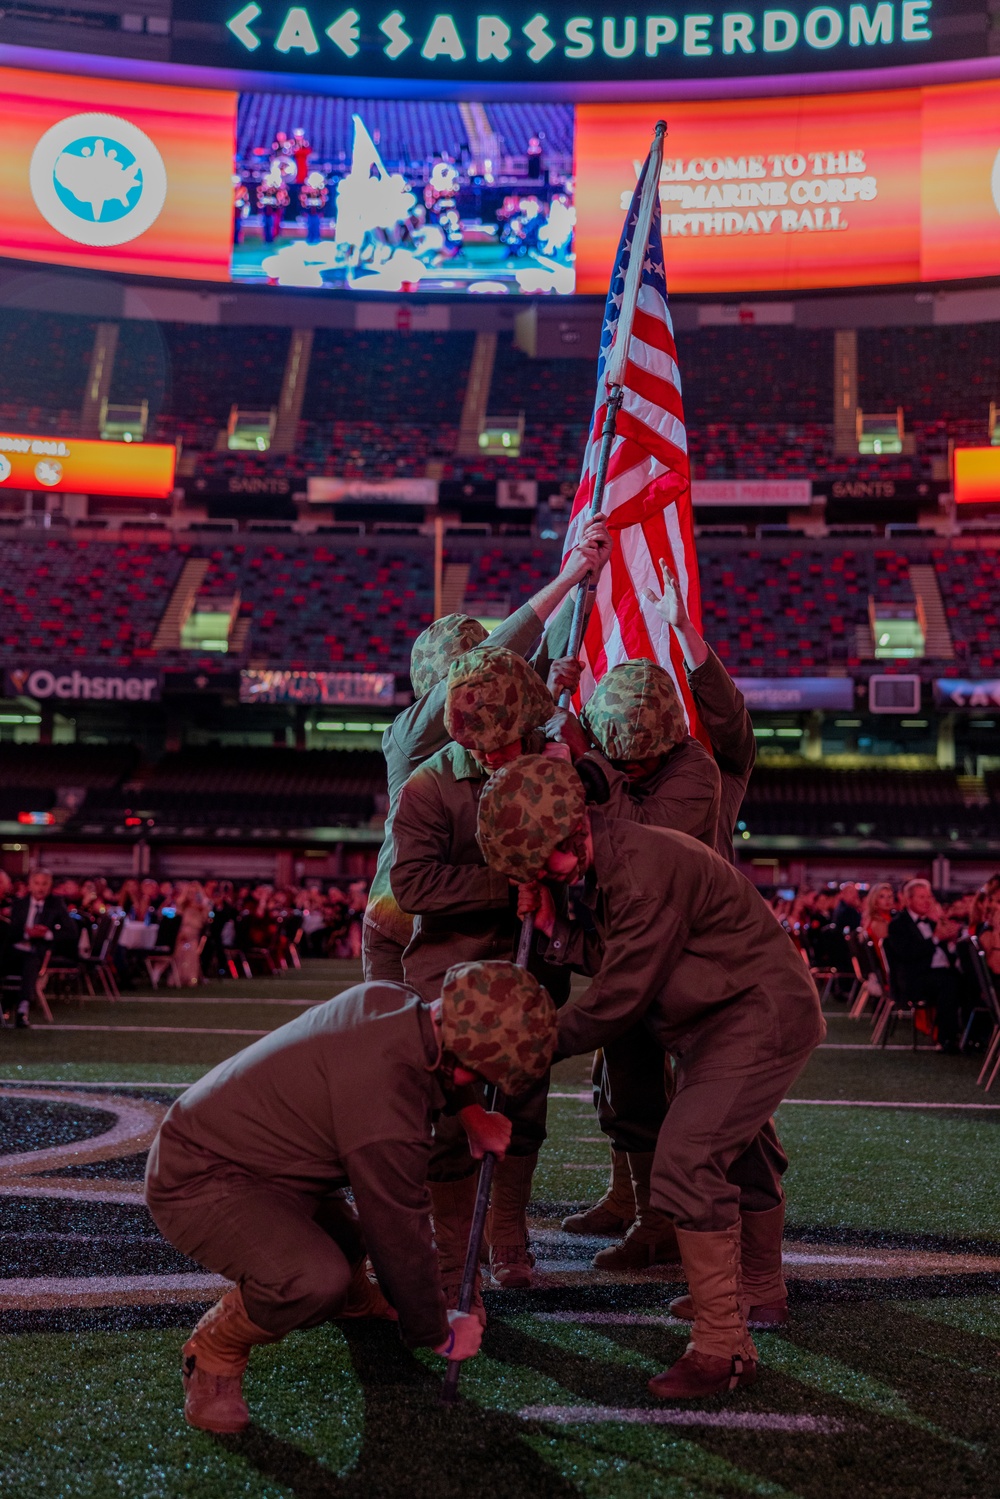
{"type": "Point", "coordinates": [919, 944]}
{"type": "Point", "coordinates": [220, 928]}
{"type": "Point", "coordinates": [211, 929]}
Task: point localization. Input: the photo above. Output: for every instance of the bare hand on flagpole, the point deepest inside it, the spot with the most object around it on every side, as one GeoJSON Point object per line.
{"type": "Point", "coordinates": [673, 610]}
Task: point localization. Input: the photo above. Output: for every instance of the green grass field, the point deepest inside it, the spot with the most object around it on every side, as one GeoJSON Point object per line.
{"type": "Point", "coordinates": [886, 1383]}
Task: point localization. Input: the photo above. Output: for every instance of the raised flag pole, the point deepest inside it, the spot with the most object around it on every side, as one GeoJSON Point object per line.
{"type": "Point", "coordinates": [614, 375]}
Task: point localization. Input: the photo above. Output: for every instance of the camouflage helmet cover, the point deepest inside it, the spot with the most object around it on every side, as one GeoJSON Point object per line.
{"type": "Point", "coordinates": [635, 713]}
{"type": "Point", "coordinates": [494, 697]}
{"type": "Point", "coordinates": [526, 810]}
{"type": "Point", "coordinates": [499, 1022]}
{"type": "Point", "coordinates": [436, 648]}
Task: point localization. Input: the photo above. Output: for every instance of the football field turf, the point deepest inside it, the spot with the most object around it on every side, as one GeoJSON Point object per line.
{"type": "Point", "coordinates": [886, 1383]}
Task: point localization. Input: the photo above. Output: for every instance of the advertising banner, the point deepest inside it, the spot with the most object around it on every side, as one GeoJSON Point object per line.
{"type": "Point", "coordinates": [796, 694]}
{"type": "Point", "coordinates": [790, 492]}
{"type": "Point", "coordinates": [116, 176]}
{"type": "Point", "coordinates": [326, 688]}
{"type": "Point", "coordinates": [323, 491]}
{"type": "Point", "coordinates": [83, 684]}
{"type": "Point", "coordinates": [976, 475]}
{"type": "Point", "coordinates": [950, 692]}
{"type": "Point", "coordinates": [76, 465]}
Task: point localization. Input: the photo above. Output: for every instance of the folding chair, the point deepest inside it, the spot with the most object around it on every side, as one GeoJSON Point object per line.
{"type": "Point", "coordinates": [868, 973]}
{"type": "Point", "coordinates": [978, 967]}
{"type": "Point", "coordinates": [892, 1008]}
{"type": "Point", "coordinates": [100, 963]}
{"type": "Point", "coordinates": [160, 957]}
{"type": "Point", "coordinates": [11, 984]}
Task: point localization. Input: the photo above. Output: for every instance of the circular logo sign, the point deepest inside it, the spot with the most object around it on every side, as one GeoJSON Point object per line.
{"type": "Point", "coordinates": [98, 179]}
{"type": "Point", "coordinates": [6, 468]}
{"type": "Point", "coordinates": [48, 472]}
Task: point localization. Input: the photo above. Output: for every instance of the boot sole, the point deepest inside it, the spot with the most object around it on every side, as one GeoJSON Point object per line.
{"type": "Point", "coordinates": [602, 1231]}
{"type": "Point", "coordinates": [218, 1428]}
{"type": "Point", "coordinates": [719, 1387]}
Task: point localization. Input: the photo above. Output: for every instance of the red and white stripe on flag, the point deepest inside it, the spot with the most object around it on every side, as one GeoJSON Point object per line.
{"type": "Point", "coordinates": [647, 502]}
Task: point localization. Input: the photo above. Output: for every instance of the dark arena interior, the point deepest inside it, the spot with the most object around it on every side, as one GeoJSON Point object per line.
{"type": "Point", "coordinates": [441, 894]}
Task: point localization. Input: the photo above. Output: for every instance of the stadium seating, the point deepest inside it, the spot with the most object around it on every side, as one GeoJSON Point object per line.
{"type": "Point", "coordinates": [406, 134]}
{"type": "Point", "coordinates": [772, 607]}
{"type": "Point", "coordinates": [863, 803]}
{"type": "Point", "coordinates": [44, 359]}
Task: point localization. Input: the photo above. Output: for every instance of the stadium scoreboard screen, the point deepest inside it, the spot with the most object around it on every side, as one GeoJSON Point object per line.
{"type": "Point", "coordinates": [373, 149]}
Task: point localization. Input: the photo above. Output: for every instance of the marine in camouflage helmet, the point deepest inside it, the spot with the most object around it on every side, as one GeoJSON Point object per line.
{"type": "Point", "coordinates": [499, 1022]}
{"type": "Point", "coordinates": [635, 713]}
{"type": "Point", "coordinates": [526, 810]}
{"type": "Point", "coordinates": [436, 648]}
{"type": "Point", "coordinates": [494, 698]}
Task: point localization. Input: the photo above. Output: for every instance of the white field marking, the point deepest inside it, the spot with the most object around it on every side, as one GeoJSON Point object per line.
{"type": "Point", "coordinates": [135, 1123]}
{"type": "Point", "coordinates": [586, 1415]}
{"type": "Point", "coordinates": [587, 1097]}
{"type": "Point", "coordinates": [154, 1030]}
{"type": "Point", "coordinates": [164, 999]}
{"type": "Point", "coordinates": [102, 1290]}
{"type": "Point", "coordinates": [126, 1194]}
{"type": "Point", "coordinates": [581, 1166]}
{"type": "Point", "coordinates": [858, 1046]}
{"type": "Point", "coordinates": [61, 1082]}
{"type": "Point", "coordinates": [590, 1139]}
{"type": "Point", "coordinates": [611, 1319]}
{"type": "Point", "coordinates": [871, 1103]}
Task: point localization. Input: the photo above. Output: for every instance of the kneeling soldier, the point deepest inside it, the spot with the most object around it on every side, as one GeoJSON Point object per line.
{"type": "Point", "coordinates": [683, 941]}
{"type": "Point", "coordinates": [246, 1171]}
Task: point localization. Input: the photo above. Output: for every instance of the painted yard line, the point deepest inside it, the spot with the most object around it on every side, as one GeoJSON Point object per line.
{"type": "Point", "coordinates": [154, 1030]}
{"type": "Point", "coordinates": [871, 1103]}
{"type": "Point", "coordinates": [580, 1415]}
{"type": "Point", "coordinates": [611, 1319]}
{"type": "Point", "coordinates": [581, 1166]}
{"type": "Point", "coordinates": [61, 1082]}
{"type": "Point", "coordinates": [163, 999]}
{"type": "Point", "coordinates": [52, 1292]}
{"type": "Point", "coordinates": [857, 1046]}
{"type": "Point", "coordinates": [587, 1097]}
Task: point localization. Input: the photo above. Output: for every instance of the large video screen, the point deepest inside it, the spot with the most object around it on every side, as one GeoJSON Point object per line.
{"type": "Point", "coordinates": [786, 194]}
{"type": "Point", "coordinates": [376, 195]}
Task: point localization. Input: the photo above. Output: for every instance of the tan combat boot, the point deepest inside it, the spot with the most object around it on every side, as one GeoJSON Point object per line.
{"type": "Point", "coordinates": [454, 1204]}
{"type": "Point", "coordinates": [612, 1214]}
{"type": "Point", "coordinates": [651, 1239]}
{"type": "Point", "coordinates": [364, 1297]}
{"type": "Point", "coordinates": [511, 1259]}
{"type": "Point", "coordinates": [213, 1362]}
{"type": "Point", "coordinates": [765, 1295]}
{"type": "Point", "coordinates": [721, 1355]}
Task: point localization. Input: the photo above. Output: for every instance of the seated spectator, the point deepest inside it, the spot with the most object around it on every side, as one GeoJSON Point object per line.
{"type": "Point", "coordinates": [147, 905]}
{"type": "Point", "coordinates": [847, 912]}
{"type": "Point", "coordinates": [877, 911]}
{"type": "Point", "coordinates": [39, 924]}
{"type": "Point", "coordinates": [923, 962]}
{"type": "Point", "coordinates": [357, 902]}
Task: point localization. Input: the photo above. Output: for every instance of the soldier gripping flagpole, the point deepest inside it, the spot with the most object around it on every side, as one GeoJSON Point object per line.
{"type": "Point", "coordinates": [615, 371]}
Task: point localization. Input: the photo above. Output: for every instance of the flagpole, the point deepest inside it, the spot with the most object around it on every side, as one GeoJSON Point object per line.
{"type": "Point", "coordinates": [615, 369]}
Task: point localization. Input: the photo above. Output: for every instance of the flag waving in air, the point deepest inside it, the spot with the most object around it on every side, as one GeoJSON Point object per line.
{"type": "Point", "coordinates": [647, 495]}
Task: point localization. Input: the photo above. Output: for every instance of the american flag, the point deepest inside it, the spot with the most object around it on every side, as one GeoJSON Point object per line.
{"type": "Point", "coordinates": [647, 497]}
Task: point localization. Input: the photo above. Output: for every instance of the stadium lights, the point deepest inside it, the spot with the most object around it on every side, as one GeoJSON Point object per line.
{"type": "Point", "coordinates": [20, 718]}
{"type": "Point", "coordinates": [338, 727]}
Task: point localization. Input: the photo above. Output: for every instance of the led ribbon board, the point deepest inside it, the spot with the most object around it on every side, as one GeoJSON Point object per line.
{"type": "Point", "coordinates": [522, 43]}
{"type": "Point", "coordinates": [71, 465]}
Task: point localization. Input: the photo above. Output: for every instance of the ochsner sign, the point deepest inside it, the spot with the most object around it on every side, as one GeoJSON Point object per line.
{"type": "Point", "coordinates": [72, 684]}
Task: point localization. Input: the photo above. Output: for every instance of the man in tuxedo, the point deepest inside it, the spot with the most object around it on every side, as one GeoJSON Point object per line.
{"type": "Point", "coordinates": [922, 959]}
{"type": "Point", "coordinates": [39, 923]}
